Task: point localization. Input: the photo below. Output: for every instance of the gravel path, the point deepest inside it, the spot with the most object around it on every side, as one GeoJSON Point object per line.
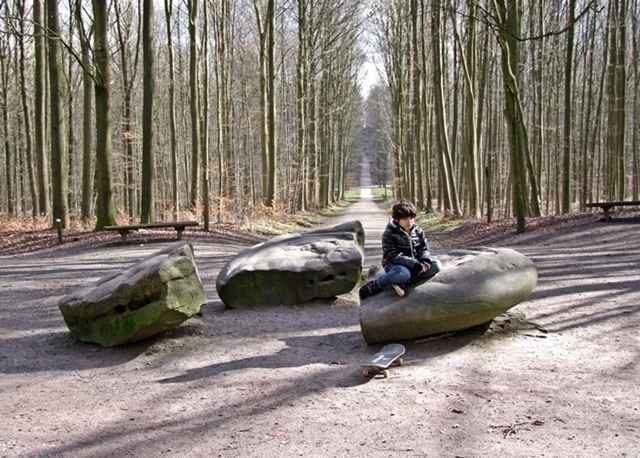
{"type": "Point", "coordinates": [556, 377]}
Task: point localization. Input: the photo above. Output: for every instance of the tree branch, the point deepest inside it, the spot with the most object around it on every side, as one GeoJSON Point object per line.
{"type": "Point", "coordinates": [492, 21]}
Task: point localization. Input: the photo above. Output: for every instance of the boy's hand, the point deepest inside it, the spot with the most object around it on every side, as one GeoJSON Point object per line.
{"type": "Point", "coordinates": [425, 267]}
{"type": "Point", "coordinates": [417, 268]}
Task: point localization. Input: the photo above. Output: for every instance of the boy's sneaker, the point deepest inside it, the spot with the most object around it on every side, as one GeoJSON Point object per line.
{"type": "Point", "coordinates": [369, 289]}
{"type": "Point", "coordinates": [399, 289]}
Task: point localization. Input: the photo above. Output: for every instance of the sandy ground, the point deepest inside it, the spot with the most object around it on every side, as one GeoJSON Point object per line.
{"type": "Point", "coordinates": [555, 377]}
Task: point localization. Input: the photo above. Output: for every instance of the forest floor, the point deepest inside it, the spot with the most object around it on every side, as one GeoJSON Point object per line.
{"type": "Point", "coordinates": [557, 376]}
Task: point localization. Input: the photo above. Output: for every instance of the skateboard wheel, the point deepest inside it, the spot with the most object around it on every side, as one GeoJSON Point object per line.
{"type": "Point", "coordinates": [400, 362]}
{"type": "Point", "coordinates": [385, 373]}
{"type": "Point", "coordinates": [365, 372]}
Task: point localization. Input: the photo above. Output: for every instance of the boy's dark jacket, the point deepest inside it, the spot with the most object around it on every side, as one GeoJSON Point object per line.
{"type": "Point", "coordinates": [407, 249]}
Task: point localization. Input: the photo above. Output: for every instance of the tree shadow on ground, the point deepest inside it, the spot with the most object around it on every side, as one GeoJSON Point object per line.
{"type": "Point", "coordinates": [346, 350]}
{"type": "Point", "coordinates": [61, 351]}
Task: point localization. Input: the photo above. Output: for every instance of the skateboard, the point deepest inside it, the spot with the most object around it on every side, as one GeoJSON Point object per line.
{"type": "Point", "coordinates": [380, 362]}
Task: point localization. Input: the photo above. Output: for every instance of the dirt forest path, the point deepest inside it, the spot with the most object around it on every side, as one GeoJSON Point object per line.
{"type": "Point", "coordinates": [558, 376]}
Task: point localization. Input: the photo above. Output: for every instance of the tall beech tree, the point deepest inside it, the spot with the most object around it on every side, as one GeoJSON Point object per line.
{"type": "Point", "coordinates": [194, 101]}
{"type": "Point", "coordinates": [59, 161]}
{"type": "Point", "coordinates": [168, 11]}
{"type": "Point", "coordinates": [105, 208]}
{"type": "Point", "coordinates": [43, 204]}
{"type": "Point", "coordinates": [148, 196]}
{"type": "Point", "coordinates": [266, 21]}
{"type": "Point", "coordinates": [87, 114]}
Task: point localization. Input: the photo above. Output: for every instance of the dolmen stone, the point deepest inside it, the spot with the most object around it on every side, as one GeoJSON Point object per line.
{"type": "Point", "coordinates": [474, 286]}
{"type": "Point", "coordinates": [154, 295]}
{"type": "Point", "coordinates": [294, 268]}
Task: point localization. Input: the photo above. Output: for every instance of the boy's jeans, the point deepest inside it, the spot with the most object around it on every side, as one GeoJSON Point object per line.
{"type": "Point", "coordinates": [399, 275]}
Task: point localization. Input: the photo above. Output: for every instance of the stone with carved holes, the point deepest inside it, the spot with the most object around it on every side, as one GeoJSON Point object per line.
{"type": "Point", "coordinates": [294, 268]}
{"type": "Point", "coordinates": [152, 296]}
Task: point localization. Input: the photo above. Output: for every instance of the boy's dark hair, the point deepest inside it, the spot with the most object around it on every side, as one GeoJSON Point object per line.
{"type": "Point", "coordinates": [403, 209]}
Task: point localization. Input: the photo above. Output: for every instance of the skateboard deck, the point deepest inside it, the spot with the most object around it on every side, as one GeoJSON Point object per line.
{"type": "Point", "coordinates": [380, 362]}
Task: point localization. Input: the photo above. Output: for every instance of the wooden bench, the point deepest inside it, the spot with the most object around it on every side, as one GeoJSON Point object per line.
{"type": "Point", "coordinates": [179, 226]}
{"type": "Point", "coordinates": [607, 205]}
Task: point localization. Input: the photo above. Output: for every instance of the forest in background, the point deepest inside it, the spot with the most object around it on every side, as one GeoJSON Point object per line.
{"type": "Point", "coordinates": [218, 110]}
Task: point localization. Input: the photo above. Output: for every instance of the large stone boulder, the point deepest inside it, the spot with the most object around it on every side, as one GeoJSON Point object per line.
{"type": "Point", "coordinates": [474, 286]}
{"type": "Point", "coordinates": [147, 298]}
{"type": "Point", "coordinates": [294, 268]}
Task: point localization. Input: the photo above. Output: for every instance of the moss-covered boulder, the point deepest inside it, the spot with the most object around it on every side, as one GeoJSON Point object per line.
{"type": "Point", "coordinates": [294, 268]}
{"type": "Point", "coordinates": [152, 296]}
{"type": "Point", "coordinates": [474, 286]}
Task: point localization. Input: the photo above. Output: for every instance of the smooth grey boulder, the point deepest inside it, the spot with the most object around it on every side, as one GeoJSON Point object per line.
{"type": "Point", "coordinates": [152, 296]}
{"type": "Point", "coordinates": [474, 286]}
{"type": "Point", "coordinates": [294, 268]}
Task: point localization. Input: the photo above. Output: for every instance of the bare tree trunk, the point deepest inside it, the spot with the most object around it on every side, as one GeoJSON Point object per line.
{"type": "Point", "coordinates": [9, 163]}
{"type": "Point", "coordinates": [509, 21]}
{"type": "Point", "coordinates": [59, 164]}
{"type": "Point", "coordinates": [599, 184]}
{"type": "Point", "coordinates": [427, 129]}
{"type": "Point", "coordinates": [416, 103]}
{"type": "Point", "coordinates": [314, 142]}
{"type": "Point", "coordinates": [323, 170]}
{"type": "Point", "coordinates": [25, 110]}
{"type": "Point", "coordinates": [148, 198]}
{"type": "Point", "coordinates": [87, 116]}
{"type": "Point", "coordinates": [223, 171]}
{"type": "Point", "coordinates": [540, 96]}
{"type": "Point", "coordinates": [446, 161]}
{"type": "Point", "coordinates": [469, 59]}
{"type": "Point", "coordinates": [204, 154]}
{"type": "Point", "coordinates": [168, 8]}
{"type": "Point", "coordinates": [272, 154]}
{"type": "Point", "coordinates": [105, 209]}
{"type": "Point", "coordinates": [568, 113]}
{"type": "Point", "coordinates": [617, 80]}
{"type": "Point", "coordinates": [71, 147]}
{"type": "Point", "coordinates": [39, 129]}
{"type": "Point", "coordinates": [228, 181]}
{"type": "Point", "coordinates": [266, 27]}
{"type": "Point", "coordinates": [635, 157]}
{"type": "Point", "coordinates": [128, 136]}
{"type": "Point", "coordinates": [194, 85]}
{"type": "Point", "coordinates": [302, 76]}
{"type": "Point", "coordinates": [264, 98]}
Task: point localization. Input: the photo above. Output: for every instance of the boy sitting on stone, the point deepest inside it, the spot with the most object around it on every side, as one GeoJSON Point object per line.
{"type": "Point", "coordinates": [405, 253]}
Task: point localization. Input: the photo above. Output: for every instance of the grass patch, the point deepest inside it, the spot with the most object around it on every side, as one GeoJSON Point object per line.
{"type": "Point", "coordinates": [332, 210]}
{"type": "Point", "coordinates": [382, 193]}
{"type": "Point", "coordinates": [352, 194]}
{"type": "Point", "coordinates": [286, 224]}
{"type": "Point", "coordinates": [273, 227]}
{"type": "Point", "coordinates": [378, 193]}
{"type": "Point", "coordinates": [305, 220]}
{"type": "Point", "coordinates": [436, 223]}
